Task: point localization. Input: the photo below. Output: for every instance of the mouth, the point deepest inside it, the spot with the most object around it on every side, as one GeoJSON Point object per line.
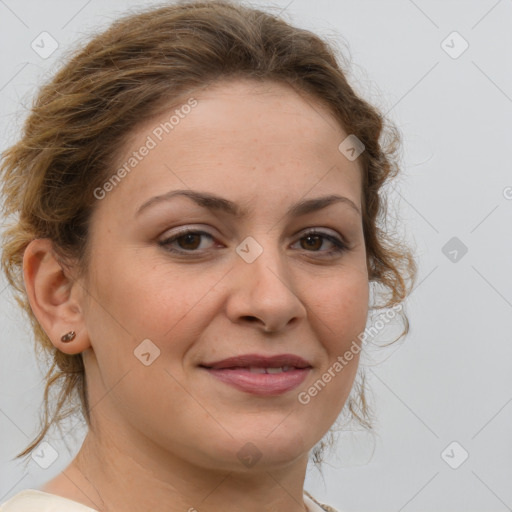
{"type": "Point", "coordinates": [260, 375]}
{"type": "Point", "coordinates": [258, 362]}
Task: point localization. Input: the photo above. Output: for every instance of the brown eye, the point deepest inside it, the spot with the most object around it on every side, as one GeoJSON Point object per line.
{"type": "Point", "coordinates": [187, 242]}
{"type": "Point", "coordinates": [190, 241]}
{"type": "Point", "coordinates": [314, 241]}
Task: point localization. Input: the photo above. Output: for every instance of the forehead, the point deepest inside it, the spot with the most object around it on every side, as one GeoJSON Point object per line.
{"type": "Point", "coordinates": [240, 136]}
{"type": "Point", "coordinates": [270, 111]}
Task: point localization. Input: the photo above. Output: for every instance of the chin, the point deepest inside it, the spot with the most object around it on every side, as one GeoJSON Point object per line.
{"type": "Point", "coordinates": [260, 449]}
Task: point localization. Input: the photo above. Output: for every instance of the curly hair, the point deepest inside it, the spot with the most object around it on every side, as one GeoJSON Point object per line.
{"type": "Point", "coordinates": [128, 74]}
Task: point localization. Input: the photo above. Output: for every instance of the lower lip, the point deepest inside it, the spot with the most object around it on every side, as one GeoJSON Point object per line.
{"type": "Point", "coordinates": [266, 384]}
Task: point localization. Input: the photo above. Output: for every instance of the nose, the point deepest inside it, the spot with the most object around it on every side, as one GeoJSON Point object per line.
{"type": "Point", "coordinates": [264, 293]}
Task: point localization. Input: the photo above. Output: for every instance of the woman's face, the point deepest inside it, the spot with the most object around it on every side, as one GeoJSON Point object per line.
{"type": "Point", "coordinates": [257, 167]}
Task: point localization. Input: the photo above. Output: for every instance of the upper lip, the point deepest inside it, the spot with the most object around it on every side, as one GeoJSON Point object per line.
{"type": "Point", "coordinates": [256, 360]}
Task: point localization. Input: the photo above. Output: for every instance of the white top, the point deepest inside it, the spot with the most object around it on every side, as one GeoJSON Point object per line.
{"type": "Point", "coordinates": [32, 500]}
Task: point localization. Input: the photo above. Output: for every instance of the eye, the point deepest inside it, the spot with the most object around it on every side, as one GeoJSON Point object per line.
{"type": "Point", "coordinates": [313, 241]}
{"type": "Point", "coordinates": [187, 241]}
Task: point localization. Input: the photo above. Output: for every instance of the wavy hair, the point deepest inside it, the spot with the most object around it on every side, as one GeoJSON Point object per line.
{"type": "Point", "coordinates": [128, 74]}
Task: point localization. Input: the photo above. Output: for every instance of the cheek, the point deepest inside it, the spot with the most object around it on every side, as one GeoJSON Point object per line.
{"type": "Point", "coordinates": [339, 316]}
{"type": "Point", "coordinates": [138, 300]}
{"type": "Point", "coordinates": [143, 295]}
{"type": "Point", "coordinates": [340, 309]}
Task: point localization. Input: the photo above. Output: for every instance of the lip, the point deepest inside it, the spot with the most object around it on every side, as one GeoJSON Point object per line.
{"type": "Point", "coordinates": [260, 361]}
{"type": "Point", "coordinates": [235, 371]}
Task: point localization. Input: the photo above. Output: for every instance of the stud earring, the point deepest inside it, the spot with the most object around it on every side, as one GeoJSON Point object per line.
{"type": "Point", "coordinates": [70, 336]}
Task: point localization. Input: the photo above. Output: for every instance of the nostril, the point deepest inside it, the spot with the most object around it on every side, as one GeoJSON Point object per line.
{"type": "Point", "coordinates": [250, 318]}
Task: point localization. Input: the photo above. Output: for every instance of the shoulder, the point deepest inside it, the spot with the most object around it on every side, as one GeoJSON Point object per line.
{"type": "Point", "coordinates": [313, 505]}
{"type": "Point", "coordinates": [31, 500]}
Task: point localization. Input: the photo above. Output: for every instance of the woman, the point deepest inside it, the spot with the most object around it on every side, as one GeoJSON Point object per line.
{"type": "Point", "coordinates": [197, 194]}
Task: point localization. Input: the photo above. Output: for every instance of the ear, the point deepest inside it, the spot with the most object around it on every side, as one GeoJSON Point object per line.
{"type": "Point", "coordinates": [55, 298]}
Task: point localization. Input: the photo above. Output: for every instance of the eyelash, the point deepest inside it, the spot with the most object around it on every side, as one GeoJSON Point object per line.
{"type": "Point", "coordinates": [339, 246]}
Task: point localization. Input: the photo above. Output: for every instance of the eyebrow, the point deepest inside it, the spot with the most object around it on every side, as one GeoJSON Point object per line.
{"type": "Point", "coordinates": [217, 203]}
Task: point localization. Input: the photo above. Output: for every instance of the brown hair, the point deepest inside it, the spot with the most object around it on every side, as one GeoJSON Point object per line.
{"type": "Point", "coordinates": [126, 75]}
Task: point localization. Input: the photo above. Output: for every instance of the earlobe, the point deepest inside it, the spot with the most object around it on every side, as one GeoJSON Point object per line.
{"type": "Point", "coordinates": [54, 297]}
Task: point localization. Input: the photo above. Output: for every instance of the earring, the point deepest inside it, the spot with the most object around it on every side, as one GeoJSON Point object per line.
{"type": "Point", "coordinates": [70, 336]}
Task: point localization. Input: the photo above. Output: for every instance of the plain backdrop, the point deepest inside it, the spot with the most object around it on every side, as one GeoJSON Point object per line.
{"type": "Point", "coordinates": [442, 71]}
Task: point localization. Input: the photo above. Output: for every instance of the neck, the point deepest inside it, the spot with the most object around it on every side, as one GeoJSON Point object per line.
{"type": "Point", "coordinates": [115, 474]}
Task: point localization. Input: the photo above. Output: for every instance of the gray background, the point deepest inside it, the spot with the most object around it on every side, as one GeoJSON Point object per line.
{"type": "Point", "coordinates": [450, 380]}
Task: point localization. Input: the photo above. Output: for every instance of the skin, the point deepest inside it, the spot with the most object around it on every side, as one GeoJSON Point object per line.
{"type": "Point", "coordinates": [168, 434]}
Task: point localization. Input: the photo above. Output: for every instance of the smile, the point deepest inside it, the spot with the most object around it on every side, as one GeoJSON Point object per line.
{"type": "Point", "coordinates": [260, 375]}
